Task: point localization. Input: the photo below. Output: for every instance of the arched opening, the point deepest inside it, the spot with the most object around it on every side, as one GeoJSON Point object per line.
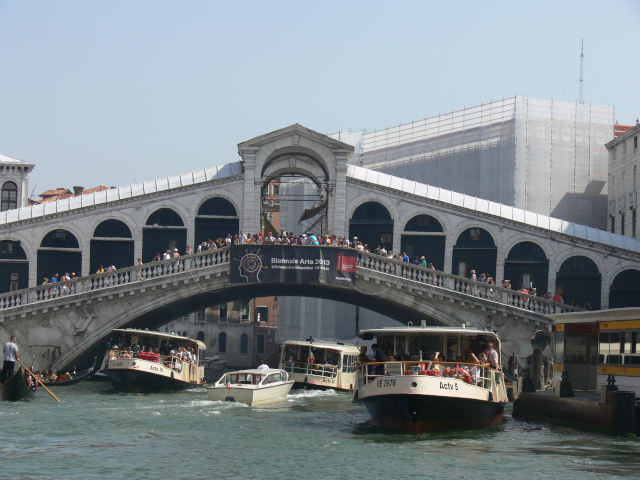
{"type": "Point", "coordinates": [579, 281]}
{"type": "Point", "coordinates": [59, 253]}
{"type": "Point", "coordinates": [372, 224]}
{"type": "Point", "coordinates": [222, 342]}
{"type": "Point", "coordinates": [244, 343]}
{"type": "Point", "coordinates": [112, 242]}
{"type": "Point", "coordinates": [9, 196]}
{"type": "Point", "coordinates": [476, 250]}
{"type": "Point", "coordinates": [14, 267]}
{"type": "Point", "coordinates": [624, 290]}
{"type": "Point", "coordinates": [216, 218]}
{"type": "Point", "coordinates": [164, 230]}
{"type": "Point", "coordinates": [424, 236]}
{"type": "Point", "coordinates": [200, 336]}
{"type": "Point", "coordinates": [527, 265]}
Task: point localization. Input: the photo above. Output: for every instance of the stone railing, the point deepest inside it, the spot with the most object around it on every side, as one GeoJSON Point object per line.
{"type": "Point", "coordinates": [115, 278]}
{"type": "Point", "coordinates": [463, 285]}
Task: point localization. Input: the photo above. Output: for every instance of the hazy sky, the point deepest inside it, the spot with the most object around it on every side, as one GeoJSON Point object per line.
{"type": "Point", "coordinates": [112, 92]}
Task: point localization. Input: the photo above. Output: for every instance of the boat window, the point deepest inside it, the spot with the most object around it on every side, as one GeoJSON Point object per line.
{"type": "Point", "coordinates": [348, 363]}
{"type": "Point", "coordinates": [291, 351]}
{"type": "Point", "coordinates": [333, 358]}
{"type": "Point", "coordinates": [429, 344]}
{"type": "Point", "coordinates": [400, 346]}
{"type": "Point", "coordinates": [452, 348]}
{"type": "Point", "coordinates": [575, 349]}
{"type": "Point", "coordinates": [414, 346]}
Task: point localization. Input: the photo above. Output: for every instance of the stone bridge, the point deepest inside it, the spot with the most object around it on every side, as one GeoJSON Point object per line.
{"type": "Point", "coordinates": [70, 322]}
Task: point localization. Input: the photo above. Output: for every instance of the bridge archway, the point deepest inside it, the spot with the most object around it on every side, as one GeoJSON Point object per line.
{"type": "Point", "coordinates": [112, 242]}
{"type": "Point", "coordinates": [14, 266]}
{"type": "Point", "coordinates": [59, 253]}
{"type": "Point", "coordinates": [579, 280]}
{"type": "Point", "coordinates": [216, 217]}
{"type": "Point", "coordinates": [164, 230]}
{"type": "Point", "coordinates": [528, 265]}
{"type": "Point", "coordinates": [372, 223]}
{"type": "Point", "coordinates": [476, 250]}
{"type": "Point", "coordinates": [624, 289]}
{"type": "Point", "coordinates": [424, 235]}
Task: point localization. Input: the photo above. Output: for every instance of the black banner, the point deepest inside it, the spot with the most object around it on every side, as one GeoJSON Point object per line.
{"type": "Point", "coordinates": [293, 264]}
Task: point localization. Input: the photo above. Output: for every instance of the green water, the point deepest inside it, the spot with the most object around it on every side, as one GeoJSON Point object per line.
{"type": "Point", "coordinates": [96, 433]}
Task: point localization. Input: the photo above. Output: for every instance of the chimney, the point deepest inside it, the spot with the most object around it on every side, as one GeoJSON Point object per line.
{"type": "Point", "coordinates": [78, 190]}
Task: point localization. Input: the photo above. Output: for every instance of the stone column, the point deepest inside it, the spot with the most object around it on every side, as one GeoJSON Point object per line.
{"type": "Point", "coordinates": [500, 259]}
{"type": "Point", "coordinates": [250, 222]}
{"type": "Point", "coordinates": [448, 253]}
{"type": "Point", "coordinates": [551, 284]}
{"type": "Point", "coordinates": [337, 221]}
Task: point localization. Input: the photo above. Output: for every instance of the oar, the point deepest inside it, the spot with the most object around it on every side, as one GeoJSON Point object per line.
{"type": "Point", "coordinates": [37, 380]}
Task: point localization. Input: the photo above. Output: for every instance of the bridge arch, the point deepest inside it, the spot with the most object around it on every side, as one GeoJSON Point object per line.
{"type": "Point", "coordinates": [475, 249]}
{"type": "Point", "coordinates": [372, 223]}
{"type": "Point", "coordinates": [164, 229]}
{"type": "Point", "coordinates": [579, 279]}
{"type": "Point", "coordinates": [527, 264]}
{"type": "Point", "coordinates": [59, 252]}
{"type": "Point", "coordinates": [112, 242]}
{"type": "Point", "coordinates": [623, 291]}
{"type": "Point", "coordinates": [424, 235]}
{"type": "Point", "coordinates": [215, 217]}
{"type": "Point", "coordinates": [14, 266]}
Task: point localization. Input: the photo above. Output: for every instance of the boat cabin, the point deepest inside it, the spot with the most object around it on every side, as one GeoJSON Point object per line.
{"type": "Point", "coordinates": [414, 343]}
{"type": "Point", "coordinates": [153, 346]}
{"type": "Point", "coordinates": [320, 364]}
{"type": "Point", "coordinates": [253, 377]}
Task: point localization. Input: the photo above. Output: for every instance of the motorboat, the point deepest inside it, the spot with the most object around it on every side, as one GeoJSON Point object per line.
{"type": "Point", "coordinates": [319, 364]}
{"type": "Point", "coordinates": [419, 394]}
{"type": "Point", "coordinates": [20, 386]}
{"type": "Point", "coordinates": [214, 368]}
{"type": "Point", "coordinates": [143, 361]}
{"type": "Point", "coordinates": [253, 387]}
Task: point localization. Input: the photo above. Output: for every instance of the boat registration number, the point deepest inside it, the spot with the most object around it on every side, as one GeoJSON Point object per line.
{"type": "Point", "coordinates": [386, 382]}
{"type": "Point", "coordinates": [448, 386]}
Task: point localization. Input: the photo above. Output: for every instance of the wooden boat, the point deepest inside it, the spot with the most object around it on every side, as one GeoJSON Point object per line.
{"type": "Point", "coordinates": [136, 367]}
{"type": "Point", "coordinates": [72, 378]}
{"type": "Point", "coordinates": [16, 387]}
{"type": "Point", "coordinates": [418, 395]}
{"type": "Point", "coordinates": [320, 365]}
{"type": "Point", "coordinates": [253, 387]}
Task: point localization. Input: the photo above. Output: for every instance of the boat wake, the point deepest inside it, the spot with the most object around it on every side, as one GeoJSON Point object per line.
{"type": "Point", "coordinates": [303, 394]}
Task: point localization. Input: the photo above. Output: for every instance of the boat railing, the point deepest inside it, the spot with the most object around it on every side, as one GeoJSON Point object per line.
{"type": "Point", "coordinates": [307, 368]}
{"type": "Point", "coordinates": [369, 371]}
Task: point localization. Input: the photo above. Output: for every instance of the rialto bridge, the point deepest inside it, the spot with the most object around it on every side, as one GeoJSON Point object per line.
{"type": "Point", "coordinates": [456, 232]}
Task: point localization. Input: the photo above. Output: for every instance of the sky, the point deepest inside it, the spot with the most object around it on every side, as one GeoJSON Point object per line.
{"type": "Point", "coordinates": [111, 93]}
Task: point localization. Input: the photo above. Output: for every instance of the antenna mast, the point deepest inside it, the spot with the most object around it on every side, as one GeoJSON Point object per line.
{"type": "Point", "coordinates": [581, 95]}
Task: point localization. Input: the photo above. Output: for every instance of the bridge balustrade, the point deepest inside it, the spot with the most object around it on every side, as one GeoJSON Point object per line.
{"type": "Point", "coordinates": [138, 273]}
{"type": "Point", "coordinates": [368, 261]}
{"type": "Point", "coordinates": [455, 283]}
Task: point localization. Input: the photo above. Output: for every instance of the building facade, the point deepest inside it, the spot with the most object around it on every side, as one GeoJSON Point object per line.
{"type": "Point", "coordinates": [624, 158]}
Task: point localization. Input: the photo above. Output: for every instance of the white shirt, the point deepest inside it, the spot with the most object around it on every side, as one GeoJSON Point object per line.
{"type": "Point", "coordinates": [264, 366]}
{"type": "Point", "coordinates": [243, 239]}
{"type": "Point", "coordinates": [10, 350]}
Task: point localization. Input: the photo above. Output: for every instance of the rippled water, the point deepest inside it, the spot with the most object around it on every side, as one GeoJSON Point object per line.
{"type": "Point", "coordinates": [96, 433]}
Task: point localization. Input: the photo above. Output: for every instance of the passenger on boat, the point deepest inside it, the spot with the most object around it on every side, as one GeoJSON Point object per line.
{"type": "Point", "coordinates": [263, 365]}
{"type": "Point", "coordinates": [51, 376]}
{"type": "Point", "coordinates": [492, 356]}
{"type": "Point", "coordinates": [362, 356]}
{"type": "Point", "coordinates": [376, 356]}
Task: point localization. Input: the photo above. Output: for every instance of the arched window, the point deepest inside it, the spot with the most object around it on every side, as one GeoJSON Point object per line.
{"type": "Point", "coordinates": [9, 196]}
{"type": "Point", "coordinates": [165, 217]}
{"type": "Point", "coordinates": [200, 336]}
{"type": "Point", "coordinates": [112, 229]}
{"type": "Point", "coordinates": [244, 343]}
{"type": "Point", "coordinates": [217, 206]}
{"type": "Point", "coordinates": [222, 342]}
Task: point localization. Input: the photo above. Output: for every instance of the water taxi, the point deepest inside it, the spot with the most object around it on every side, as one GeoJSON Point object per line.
{"type": "Point", "coordinates": [253, 387]}
{"type": "Point", "coordinates": [318, 364]}
{"type": "Point", "coordinates": [142, 361]}
{"type": "Point", "coordinates": [419, 394]}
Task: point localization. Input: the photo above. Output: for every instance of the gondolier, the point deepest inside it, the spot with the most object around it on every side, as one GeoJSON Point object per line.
{"type": "Point", "coordinates": [10, 357]}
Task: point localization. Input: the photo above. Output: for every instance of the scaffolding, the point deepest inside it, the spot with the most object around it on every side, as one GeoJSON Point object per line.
{"type": "Point", "coordinates": [539, 155]}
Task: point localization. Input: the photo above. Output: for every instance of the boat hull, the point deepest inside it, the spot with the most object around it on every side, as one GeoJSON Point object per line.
{"type": "Point", "coordinates": [250, 395]}
{"type": "Point", "coordinates": [421, 413]}
{"type": "Point", "coordinates": [141, 381]}
{"type": "Point", "coordinates": [15, 389]}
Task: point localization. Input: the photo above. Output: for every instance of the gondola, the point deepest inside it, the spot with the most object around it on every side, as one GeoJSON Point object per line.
{"type": "Point", "coordinates": [15, 388]}
{"type": "Point", "coordinates": [73, 377]}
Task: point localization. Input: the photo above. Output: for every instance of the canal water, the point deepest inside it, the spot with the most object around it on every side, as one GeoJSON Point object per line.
{"type": "Point", "coordinates": [96, 433]}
